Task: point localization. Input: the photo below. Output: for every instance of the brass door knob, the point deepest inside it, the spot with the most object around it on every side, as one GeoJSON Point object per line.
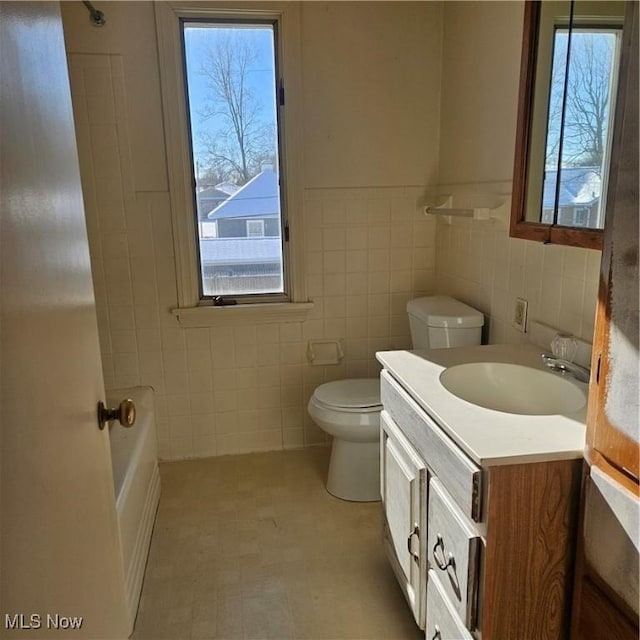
{"type": "Point", "coordinates": [124, 413]}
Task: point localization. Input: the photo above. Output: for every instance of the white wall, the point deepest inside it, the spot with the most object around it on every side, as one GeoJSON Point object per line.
{"type": "Point", "coordinates": [371, 148]}
{"type": "Point", "coordinates": [480, 73]}
{"type": "Point", "coordinates": [131, 33]}
{"type": "Point", "coordinates": [371, 83]}
{"type": "Point", "coordinates": [476, 260]}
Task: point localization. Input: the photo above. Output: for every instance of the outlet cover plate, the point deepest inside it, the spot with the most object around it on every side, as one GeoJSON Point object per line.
{"type": "Point", "coordinates": [520, 315]}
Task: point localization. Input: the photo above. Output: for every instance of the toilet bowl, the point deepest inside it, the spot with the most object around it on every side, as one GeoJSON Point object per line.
{"type": "Point", "coordinates": [349, 410]}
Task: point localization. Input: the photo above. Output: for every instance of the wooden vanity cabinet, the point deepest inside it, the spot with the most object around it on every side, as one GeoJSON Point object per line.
{"type": "Point", "coordinates": [531, 528]}
{"type": "Point", "coordinates": [491, 548]}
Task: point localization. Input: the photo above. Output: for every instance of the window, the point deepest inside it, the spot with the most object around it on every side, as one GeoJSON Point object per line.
{"type": "Point", "coordinates": [234, 167]}
{"type": "Point", "coordinates": [231, 85]}
{"type": "Point", "coordinates": [580, 121]}
{"type": "Point", "coordinates": [255, 228]}
{"type": "Point", "coordinates": [208, 229]}
{"type": "Point", "coordinates": [581, 217]}
{"type": "Point", "coordinates": [569, 82]}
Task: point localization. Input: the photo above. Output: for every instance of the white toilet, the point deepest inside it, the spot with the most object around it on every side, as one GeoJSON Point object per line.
{"type": "Point", "coordinates": [349, 410]}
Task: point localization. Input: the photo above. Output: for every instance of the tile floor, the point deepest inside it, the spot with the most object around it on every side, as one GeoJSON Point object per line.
{"type": "Point", "coordinates": [254, 547]}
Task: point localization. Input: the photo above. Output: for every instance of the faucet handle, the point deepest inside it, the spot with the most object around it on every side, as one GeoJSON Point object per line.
{"type": "Point", "coordinates": [555, 363]}
{"type": "Point", "coordinates": [564, 346]}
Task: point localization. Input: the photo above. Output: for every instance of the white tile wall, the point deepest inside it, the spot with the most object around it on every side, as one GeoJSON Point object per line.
{"type": "Point", "coordinates": [232, 390]}
{"type": "Point", "coordinates": [478, 263]}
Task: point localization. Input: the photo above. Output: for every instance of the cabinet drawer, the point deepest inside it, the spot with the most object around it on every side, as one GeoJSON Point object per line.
{"type": "Point", "coordinates": [442, 621]}
{"type": "Point", "coordinates": [460, 476]}
{"type": "Point", "coordinates": [454, 552]}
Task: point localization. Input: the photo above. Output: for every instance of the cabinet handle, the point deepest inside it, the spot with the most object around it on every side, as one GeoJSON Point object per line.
{"type": "Point", "coordinates": [437, 635]}
{"type": "Point", "coordinates": [415, 532]}
{"type": "Point", "coordinates": [451, 561]}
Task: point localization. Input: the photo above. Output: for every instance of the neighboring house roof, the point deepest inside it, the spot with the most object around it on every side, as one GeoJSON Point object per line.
{"type": "Point", "coordinates": [259, 198]}
{"type": "Point", "coordinates": [213, 192]}
{"type": "Point", "coordinates": [227, 187]}
{"type": "Point", "coordinates": [221, 251]}
{"type": "Point", "coordinates": [209, 199]}
{"type": "Point", "coordinates": [579, 186]}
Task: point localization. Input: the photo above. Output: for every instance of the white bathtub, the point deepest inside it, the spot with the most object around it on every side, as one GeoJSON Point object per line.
{"type": "Point", "coordinates": [136, 481]}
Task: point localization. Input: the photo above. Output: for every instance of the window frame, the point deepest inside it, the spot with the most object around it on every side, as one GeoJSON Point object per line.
{"type": "Point", "coordinates": [193, 309]}
{"type": "Point", "coordinates": [520, 227]}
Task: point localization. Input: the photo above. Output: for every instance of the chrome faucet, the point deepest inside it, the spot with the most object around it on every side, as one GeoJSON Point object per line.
{"type": "Point", "coordinates": [562, 366]}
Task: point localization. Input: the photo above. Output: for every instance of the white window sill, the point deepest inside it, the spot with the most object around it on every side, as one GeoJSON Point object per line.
{"type": "Point", "coordinates": [234, 315]}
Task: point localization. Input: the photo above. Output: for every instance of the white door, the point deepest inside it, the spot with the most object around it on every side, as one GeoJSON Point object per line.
{"type": "Point", "coordinates": [60, 551]}
{"type": "Point", "coordinates": [403, 487]}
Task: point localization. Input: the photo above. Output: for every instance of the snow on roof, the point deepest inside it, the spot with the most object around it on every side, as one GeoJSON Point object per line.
{"type": "Point", "coordinates": [259, 198]}
{"type": "Point", "coordinates": [227, 187]}
{"type": "Point", "coordinates": [221, 251]}
{"type": "Point", "coordinates": [578, 186]}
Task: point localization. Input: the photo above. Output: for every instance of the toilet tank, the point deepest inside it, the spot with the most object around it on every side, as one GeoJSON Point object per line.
{"type": "Point", "coordinates": [439, 321]}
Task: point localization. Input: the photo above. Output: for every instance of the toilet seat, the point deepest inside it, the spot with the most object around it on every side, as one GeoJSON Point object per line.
{"type": "Point", "coordinates": [355, 395]}
{"type": "Point", "coordinates": [330, 407]}
{"type": "Point", "coordinates": [348, 409]}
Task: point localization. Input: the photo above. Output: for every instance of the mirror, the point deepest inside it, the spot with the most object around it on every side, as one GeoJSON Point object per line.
{"type": "Point", "coordinates": [569, 76]}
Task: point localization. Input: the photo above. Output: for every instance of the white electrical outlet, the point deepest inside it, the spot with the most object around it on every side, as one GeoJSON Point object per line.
{"type": "Point", "coordinates": [520, 315]}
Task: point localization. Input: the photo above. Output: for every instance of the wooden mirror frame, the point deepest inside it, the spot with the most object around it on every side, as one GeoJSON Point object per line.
{"type": "Point", "coordinates": [521, 228]}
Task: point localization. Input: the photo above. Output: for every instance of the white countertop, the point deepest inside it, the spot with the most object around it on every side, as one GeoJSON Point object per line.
{"type": "Point", "coordinates": [488, 437]}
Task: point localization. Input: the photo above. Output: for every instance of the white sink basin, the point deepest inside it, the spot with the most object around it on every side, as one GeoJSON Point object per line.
{"type": "Point", "coordinates": [513, 388]}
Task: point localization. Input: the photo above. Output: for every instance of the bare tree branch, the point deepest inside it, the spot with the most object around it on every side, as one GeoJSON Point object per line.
{"type": "Point", "coordinates": [240, 139]}
{"type": "Point", "coordinates": [587, 98]}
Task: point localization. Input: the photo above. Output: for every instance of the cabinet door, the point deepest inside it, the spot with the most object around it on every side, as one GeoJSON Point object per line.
{"type": "Point", "coordinates": [403, 489]}
{"type": "Point", "coordinates": [605, 555]}
{"type": "Point", "coordinates": [601, 619]}
{"type": "Point", "coordinates": [612, 419]}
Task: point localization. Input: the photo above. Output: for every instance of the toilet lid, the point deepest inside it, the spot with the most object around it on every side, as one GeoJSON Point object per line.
{"type": "Point", "coordinates": [350, 394]}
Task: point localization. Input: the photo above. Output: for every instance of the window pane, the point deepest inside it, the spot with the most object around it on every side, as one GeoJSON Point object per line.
{"type": "Point", "coordinates": [588, 115]}
{"type": "Point", "coordinates": [554, 125]}
{"type": "Point", "coordinates": [231, 86]}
